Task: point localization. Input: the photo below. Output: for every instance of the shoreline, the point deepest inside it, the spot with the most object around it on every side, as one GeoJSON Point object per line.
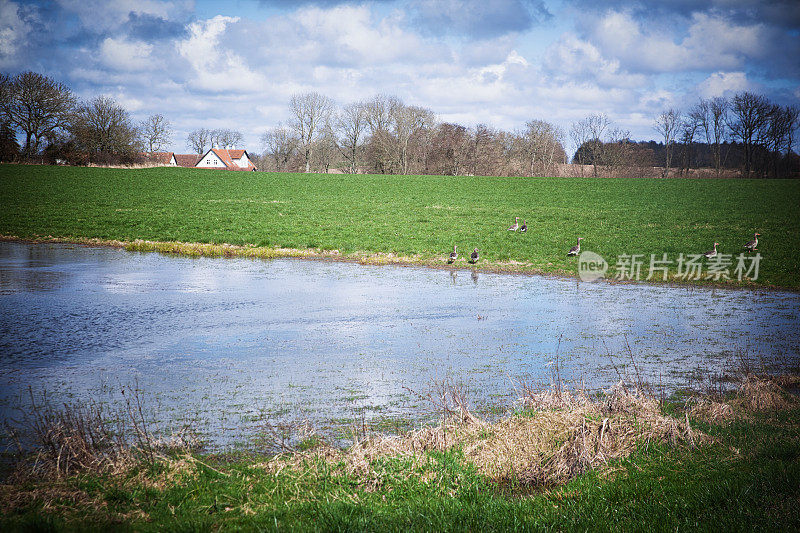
{"type": "Point", "coordinates": [197, 249]}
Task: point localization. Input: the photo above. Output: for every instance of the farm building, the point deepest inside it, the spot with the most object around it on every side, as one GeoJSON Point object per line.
{"type": "Point", "coordinates": [226, 159]}
{"type": "Point", "coordinates": [161, 158]}
{"type": "Point", "coordinates": [187, 160]}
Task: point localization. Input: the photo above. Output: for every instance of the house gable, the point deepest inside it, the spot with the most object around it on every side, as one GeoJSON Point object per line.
{"type": "Point", "coordinates": [226, 159]}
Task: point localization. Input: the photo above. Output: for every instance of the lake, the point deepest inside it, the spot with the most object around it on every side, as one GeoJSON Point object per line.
{"type": "Point", "coordinates": [223, 344]}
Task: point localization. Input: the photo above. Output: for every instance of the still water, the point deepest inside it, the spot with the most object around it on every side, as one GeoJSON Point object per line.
{"type": "Point", "coordinates": [224, 343]}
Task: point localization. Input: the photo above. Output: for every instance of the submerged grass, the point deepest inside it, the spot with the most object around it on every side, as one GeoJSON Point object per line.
{"type": "Point", "coordinates": [565, 462]}
{"type": "Point", "coordinates": [406, 219]}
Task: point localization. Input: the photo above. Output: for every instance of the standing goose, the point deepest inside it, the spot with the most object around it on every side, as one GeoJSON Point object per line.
{"type": "Point", "coordinates": [712, 253]}
{"type": "Point", "coordinates": [524, 227]}
{"type": "Point", "coordinates": [515, 225]}
{"type": "Point", "coordinates": [575, 250]}
{"type": "Point", "coordinates": [751, 246]}
{"type": "Point", "coordinates": [453, 255]}
{"type": "Point", "coordinates": [474, 256]}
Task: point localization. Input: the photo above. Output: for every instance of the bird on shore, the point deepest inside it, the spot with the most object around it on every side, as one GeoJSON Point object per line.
{"type": "Point", "coordinates": [524, 227]}
{"type": "Point", "coordinates": [474, 256]}
{"type": "Point", "coordinates": [515, 225]}
{"type": "Point", "coordinates": [453, 255]}
{"type": "Point", "coordinates": [751, 246]}
{"type": "Point", "coordinates": [712, 253]}
{"type": "Point", "coordinates": [575, 250]}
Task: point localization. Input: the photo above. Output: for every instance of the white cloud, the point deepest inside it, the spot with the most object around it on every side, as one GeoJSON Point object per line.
{"type": "Point", "coordinates": [711, 42]}
{"type": "Point", "coordinates": [216, 69]}
{"type": "Point", "coordinates": [723, 83]}
{"type": "Point", "coordinates": [121, 54]}
{"type": "Point", "coordinates": [571, 58]}
{"type": "Point", "coordinates": [13, 31]}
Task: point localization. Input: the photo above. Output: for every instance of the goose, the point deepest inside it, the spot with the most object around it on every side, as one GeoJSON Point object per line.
{"type": "Point", "coordinates": [751, 246]}
{"type": "Point", "coordinates": [474, 256]}
{"type": "Point", "coordinates": [575, 250]}
{"type": "Point", "coordinates": [712, 253]}
{"type": "Point", "coordinates": [515, 225]}
{"type": "Point", "coordinates": [524, 227]}
{"type": "Point", "coordinates": [453, 255]}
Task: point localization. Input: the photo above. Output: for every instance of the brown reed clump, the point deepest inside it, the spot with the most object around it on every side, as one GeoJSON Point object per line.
{"type": "Point", "coordinates": [564, 435]}
{"type": "Point", "coordinates": [755, 394]}
{"type": "Point", "coordinates": [762, 393]}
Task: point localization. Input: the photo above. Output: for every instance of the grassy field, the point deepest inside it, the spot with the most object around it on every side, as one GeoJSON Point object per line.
{"type": "Point", "coordinates": [414, 219]}
{"type": "Point", "coordinates": [740, 472]}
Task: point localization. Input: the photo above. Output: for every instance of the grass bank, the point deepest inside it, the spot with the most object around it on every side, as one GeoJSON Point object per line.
{"type": "Point", "coordinates": [562, 462]}
{"type": "Point", "coordinates": [408, 219]}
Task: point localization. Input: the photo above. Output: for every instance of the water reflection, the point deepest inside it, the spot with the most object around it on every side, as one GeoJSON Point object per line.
{"type": "Point", "coordinates": [337, 340]}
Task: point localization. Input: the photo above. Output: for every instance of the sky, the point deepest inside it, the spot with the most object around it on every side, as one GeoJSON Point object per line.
{"type": "Point", "coordinates": [235, 64]}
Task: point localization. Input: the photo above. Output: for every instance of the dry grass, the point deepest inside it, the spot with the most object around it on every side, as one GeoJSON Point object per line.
{"type": "Point", "coordinates": [756, 393]}
{"type": "Point", "coordinates": [564, 435]}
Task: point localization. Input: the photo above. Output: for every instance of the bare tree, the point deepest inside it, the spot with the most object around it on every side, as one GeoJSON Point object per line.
{"type": "Point", "coordinates": [688, 129]}
{"type": "Point", "coordinates": [311, 113]}
{"type": "Point", "coordinates": [751, 114]}
{"type": "Point", "coordinates": [539, 143]}
{"type": "Point", "coordinates": [156, 132]}
{"type": "Point", "coordinates": [225, 138]}
{"type": "Point", "coordinates": [36, 105]}
{"type": "Point", "coordinates": [102, 126]}
{"type": "Point", "coordinates": [281, 145]}
{"type": "Point", "coordinates": [381, 141]}
{"type": "Point", "coordinates": [350, 124]}
{"type": "Point", "coordinates": [199, 140]}
{"type": "Point", "coordinates": [406, 121]}
{"type": "Point", "coordinates": [712, 116]}
{"type": "Point", "coordinates": [667, 124]}
{"type": "Point", "coordinates": [587, 134]}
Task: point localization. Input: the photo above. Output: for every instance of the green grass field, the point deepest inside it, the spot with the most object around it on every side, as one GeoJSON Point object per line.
{"type": "Point", "coordinates": [417, 217]}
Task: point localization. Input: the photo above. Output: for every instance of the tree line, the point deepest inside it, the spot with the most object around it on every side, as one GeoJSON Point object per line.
{"type": "Point", "coordinates": [746, 133]}
{"type": "Point", "coordinates": [57, 126]}
{"type": "Point", "coordinates": [386, 136]}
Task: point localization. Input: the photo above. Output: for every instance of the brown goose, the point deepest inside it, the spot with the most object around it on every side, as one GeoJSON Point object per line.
{"type": "Point", "coordinates": [524, 227]}
{"type": "Point", "coordinates": [751, 246]}
{"type": "Point", "coordinates": [575, 250]}
{"type": "Point", "coordinates": [515, 225]}
{"type": "Point", "coordinates": [712, 253]}
{"type": "Point", "coordinates": [453, 255]}
{"type": "Point", "coordinates": [474, 256]}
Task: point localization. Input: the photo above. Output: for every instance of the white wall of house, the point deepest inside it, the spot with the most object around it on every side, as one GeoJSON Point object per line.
{"type": "Point", "coordinates": [211, 160]}
{"type": "Point", "coordinates": [172, 161]}
{"type": "Point", "coordinates": [242, 161]}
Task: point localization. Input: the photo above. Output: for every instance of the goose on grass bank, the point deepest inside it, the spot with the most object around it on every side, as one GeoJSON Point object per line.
{"type": "Point", "coordinates": [575, 250]}
{"type": "Point", "coordinates": [751, 246]}
{"type": "Point", "coordinates": [453, 255]}
{"type": "Point", "coordinates": [474, 256]}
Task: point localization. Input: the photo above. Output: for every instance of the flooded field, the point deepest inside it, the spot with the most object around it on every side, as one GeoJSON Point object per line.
{"type": "Point", "coordinates": [224, 344]}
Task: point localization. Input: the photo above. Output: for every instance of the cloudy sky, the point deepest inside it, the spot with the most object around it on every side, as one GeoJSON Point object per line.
{"type": "Point", "coordinates": [235, 64]}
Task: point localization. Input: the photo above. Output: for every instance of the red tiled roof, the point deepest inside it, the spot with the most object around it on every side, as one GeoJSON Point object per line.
{"type": "Point", "coordinates": [187, 160]}
{"type": "Point", "coordinates": [160, 158]}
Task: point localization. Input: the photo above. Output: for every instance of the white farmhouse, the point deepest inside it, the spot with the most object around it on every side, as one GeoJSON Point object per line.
{"type": "Point", "coordinates": [226, 159]}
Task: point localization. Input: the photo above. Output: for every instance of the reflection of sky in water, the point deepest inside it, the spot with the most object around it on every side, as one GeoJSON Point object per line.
{"type": "Point", "coordinates": [223, 340]}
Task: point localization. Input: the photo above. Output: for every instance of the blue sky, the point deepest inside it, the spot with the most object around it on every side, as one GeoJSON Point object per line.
{"type": "Point", "coordinates": [504, 62]}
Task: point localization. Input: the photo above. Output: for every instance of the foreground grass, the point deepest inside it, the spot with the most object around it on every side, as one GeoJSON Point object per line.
{"type": "Point", "coordinates": [413, 219]}
{"type": "Point", "coordinates": [745, 477]}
